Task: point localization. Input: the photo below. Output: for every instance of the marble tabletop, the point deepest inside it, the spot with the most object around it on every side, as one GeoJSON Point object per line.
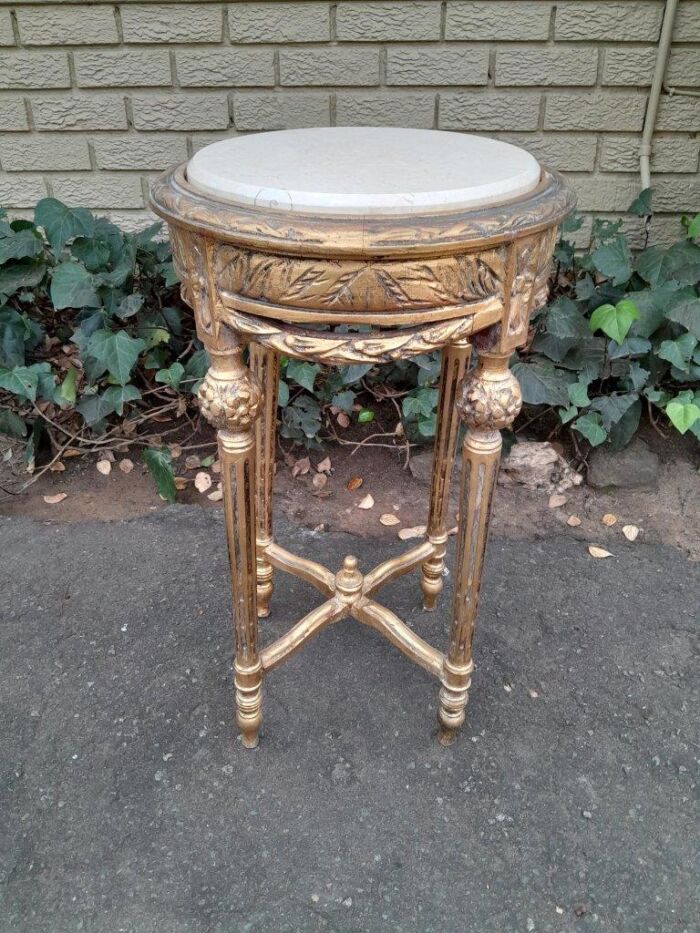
{"type": "Point", "coordinates": [363, 170]}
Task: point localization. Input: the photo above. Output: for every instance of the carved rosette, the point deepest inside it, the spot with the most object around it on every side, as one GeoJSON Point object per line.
{"type": "Point", "coordinates": [230, 402]}
{"type": "Point", "coordinates": [490, 399]}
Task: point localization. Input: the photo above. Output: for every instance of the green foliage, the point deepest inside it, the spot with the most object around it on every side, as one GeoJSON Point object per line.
{"type": "Point", "coordinates": [622, 333]}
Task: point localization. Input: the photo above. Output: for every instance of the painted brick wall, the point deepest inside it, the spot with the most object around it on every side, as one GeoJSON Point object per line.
{"type": "Point", "coordinates": [95, 98]}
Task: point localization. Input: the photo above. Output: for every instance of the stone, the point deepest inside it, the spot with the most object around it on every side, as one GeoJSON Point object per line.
{"type": "Point", "coordinates": [421, 466]}
{"type": "Point", "coordinates": [538, 464]}
{"type": "Point", "coordinates": [631, 468]}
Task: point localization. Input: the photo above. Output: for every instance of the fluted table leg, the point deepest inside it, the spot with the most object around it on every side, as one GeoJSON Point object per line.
{"type": "Point", "coordinates": [489, 401]}
{"type": "Point", "coordinates": [454, 360]}
{"type": "Point", "coordinates": [230, 398]}
{"type": "Point", "coordinates": [265, 364]}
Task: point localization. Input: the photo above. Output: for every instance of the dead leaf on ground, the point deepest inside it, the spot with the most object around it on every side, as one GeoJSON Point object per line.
{"type": "Point", "coordinates": [573, 520]}
{"type": "Point", "coordinates": [217, 495]}
{"type": "Point", "coordinates": [319, 480]}
{"type": "Point", "coordinates": [609, 519]}
{"type": "Point", "coordinates": [175, 451]}
{"type": "Point", "coordinates": [325, 465]}
{"type": "Point", "coordinates": [104, 467]}
{"type": "Point", "coordinates": [343, 419]}
{"type": "Point", "coordinates": [595, 550]}
{"type": "Point", "coordinates": [388, 518]}
{"type": "Point", "coordinates": [556, 501]}
{"type": "Point", "coordinates": [367, 502]}
{"type": "Point", "coordinates": [533, 694]}
{"type": "Point", "coordinates": [55, 499]}
{"type": "Point", "coordinates": [126, 465]}
{"type": "Point", "coordinates": [216, 466]}
{"type": "Point", "coordinates": [71, 452]}
{"type": "Point", "coordinates": [301, 467]}
{"type": "Point", "coordinates": [108, 455]}
{"type": "Point", "coordinates": [192, 462]}
{"type": "Point", "coordinates": [202, 481]}
{"type": "Point", "coordinates": [57, 467]}
{"type": "Point", "coordinates": [630, 532]}
{"type": "Point", "coordinates": [416, 532]}
{"type": "Point", "coordinates": [453, 530]}
{"type": "Point", "coordinates": [354, 483]}
{"type": "Point", "coordinates": [180, 482]}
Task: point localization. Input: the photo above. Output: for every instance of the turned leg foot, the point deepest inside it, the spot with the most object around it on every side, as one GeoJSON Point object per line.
{"type": "Point", "coordinates": [489, 401]}
{"type": "Point", "coordinates": [454, 360]}
{"type": "Point", "coordinates": [230, 398]}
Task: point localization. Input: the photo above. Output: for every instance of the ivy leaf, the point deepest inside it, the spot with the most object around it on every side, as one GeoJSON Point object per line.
{"type": "Point", "coordinates": [631, 346]}
{"type": "Point", "coordinates": [160, 465]}
{"type": "Point", "coordinates": [365, 416]}
{"type": "Point", "coordinates": [304, 374]}
{"type": "Point", "coordinates": [541, 383]}
{"type": "Point", "coordinates": [118, 396]}
{"type": "Point", "coordinates": [22, 381]}
{"type": "Point", "coordinates": [578, 393]}
{"type": "Point", "coordinates": [590, 426]}
{"type": "Point", "coordinates": [172, 376]}
{"type": "Point", "coordinates": [694, 228]}
{"type": "Point", "coordinates": [12, 336]}
{"type": "Point", "coordinates": [65, 394]}
{"type": "Point", "coordinates": [282, 394]}
{"type": "Point", "coordinates": [354, 372]}
{"type": "Point", "coordinates": [613, 407]}
{"type": "Point", "coordinates": [344, 401]}
{"type": "Point", "coordinates": [682, 412]}
{"type": "Point", "coordinates": [72, 286]}
{"type": "Point", "coordinates": [614, 260]}
{"type": "Point", "coordinates": [21, 245]}
{"type": "Point", "coordinates": [94, 408]}
{"type": "Point", "coordinates": [614, 320]}
{"type": "Point", "coordinates": [682, 263]}
{"type": "Point", "coordinates": [621, 432]}
{"type": "Point", "coordinates": [22, 274]}
{"type": "Point", "coordinates": [116, 352]}
{"type": "Point", "coordinates": [637, 376]}
{"type": "Point", "coordinates": [62, 223]}
{"type": "Point", "coordinates": [128, 306]}
{"type": "Point", "coordinates": [650, 263]}
{"type": "Point", "coordinates": [93, 253]}
{"type": "Point", "coordinates": [679, 351]}
{"type": "Point", "coordinates": [641, 206]}
{"type": "Point", "coordinates": [11, 424]}
{"type": "Point", "coordinates": [686, 312]}
{"type": "Point", "coordinates": [568, 414]}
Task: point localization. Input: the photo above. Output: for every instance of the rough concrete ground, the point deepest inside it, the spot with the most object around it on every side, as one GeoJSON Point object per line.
{"type": "Point", "coordinates": [127, 804]}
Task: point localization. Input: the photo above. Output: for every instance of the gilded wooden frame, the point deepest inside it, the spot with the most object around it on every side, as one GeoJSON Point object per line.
{"type": "Point", "coordinates": [282, 282]}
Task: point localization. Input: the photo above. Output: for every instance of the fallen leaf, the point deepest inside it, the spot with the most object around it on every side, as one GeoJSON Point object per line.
{"type": "Point", "coordinates": [325, 465]}
{"type": "Point", "coordinates": [609, 519]}
{"type": "Point", "coordinates": [343, 420]}
{"type": "Point", "coordinates": [354, 483]}
{"type": "Point", "coordinates": [216, 466]}
{"type": "Point", "coordinates": [556, 501]}
{"type": "Point", "coordinates": [175, 451]}
{"type": "Point", "coordinates": [596, 551]}
{"type": "Point", "coordinates": [108, 455]}
{"type": "Point", "coordinates": [573, 520]}
{"type": "Point", "coordinates": [319, 480]}
{"type": "Point", "coordinates": [320, 527]}
{"type": "Point", "coordinates": [180, 482]}
{"type": "Point", "coordinates": [453, 530]}
{"type": "Point", "coordinates": [202, 481]}
{"type": "Point", "coordinates": [398, 430]}
{"type": "Point", "coordinates": [192, 462]}
{"type": "Point", "coordinates": [217, 495]}
{"type": "Point", "coordinates": [630, 532]}
{"type": "Point", "coordinates": [161, 419]}
{"type": "Point", "coordinates": [54, 500]}
{"type": "Point", "coordinates": [126, 465]}
{"type": "Point", "coordinates": [388, 518]}
{"type": "Point", "coordinates": [416, 532]}
{"type": "Point", "coordinates": [71, 452]}
{"type": "Point", "coordinates": [367, 502]}
{"type": "Point", "coordinates": [301, 467]}
{"type": "Point", "coordinates": [57, 467]}
{"type": "Point", "coordinates": [104, 467]}
{"type": "Point", "coordinates": [508, 688]}
{"type": "Point", "coordinates": [533, 694]}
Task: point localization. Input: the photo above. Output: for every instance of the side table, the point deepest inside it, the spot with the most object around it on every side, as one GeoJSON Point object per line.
{"type": "Point", "coordinates": [286, 241]}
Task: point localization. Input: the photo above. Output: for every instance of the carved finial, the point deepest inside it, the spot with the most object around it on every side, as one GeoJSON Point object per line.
{"type": "Point", "coordinates": [348, 580]}
{"type": "Point", "coordinates": [230, 397]}
{"type": "Point", "coordinates": [490, 399]}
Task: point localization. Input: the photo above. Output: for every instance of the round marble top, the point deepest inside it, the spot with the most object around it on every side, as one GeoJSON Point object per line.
{"type": "Point", "coordinates": [363, 170]}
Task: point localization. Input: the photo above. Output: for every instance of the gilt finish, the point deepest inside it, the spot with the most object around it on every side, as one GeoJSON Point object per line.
{"type": "Point", "coordinates": [283, 282]}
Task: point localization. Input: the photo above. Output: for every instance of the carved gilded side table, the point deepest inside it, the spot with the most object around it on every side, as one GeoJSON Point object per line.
{"type": "Point", "coordinates": [287, 241]}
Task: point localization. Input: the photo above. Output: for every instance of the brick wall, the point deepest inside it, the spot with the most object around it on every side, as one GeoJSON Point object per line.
{"type": "Point", "coordinates": [95, 98]}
